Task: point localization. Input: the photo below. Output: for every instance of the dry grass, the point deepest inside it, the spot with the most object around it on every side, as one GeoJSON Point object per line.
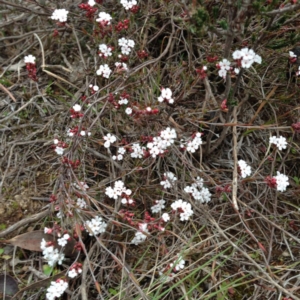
{"type": "Point", "coordinates": [247, 253]}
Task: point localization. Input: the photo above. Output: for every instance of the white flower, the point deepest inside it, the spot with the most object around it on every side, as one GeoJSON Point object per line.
{"type": "Point", "coordinates": [282, 182]}
{"type": "Point", "coordinates": [128, 4]}
{"type": "Point", "coordinates": [280, 142]}
{"type": "Point", "coordinates": [63, 240]}
{"type": "Point", "coordinates": [77, 107]}
{"type": "Point", "coordinates": [140, 235]}
{"type": "Point", "coordinates": [29, 59]}
{"type": "Point", "coordinates": [185, 209]}
{"type": "Point", "coordinates": [237, 54]}
{"type": "Point", "coordinates": [60, 15]}
{"type": "Point", "coordinates": [91, 2]}
{"type": "Point", "coordinates": [123, 101]}
{"type": "Point", "coordinates": [245, 169]}
{"type": "Point", "coordinates": [128, 110]}
{"type": "Point", "coordinates": [121, 152]}
{"type": "Point", "coordinates": [104, 18]}
{"type": "Point", "coordinates": [224, 64]}
{"type": "Point", "coordinates": [168, 135]}
{"type": "Point", "coordinates": [165, 217]}
{"type": "Point", "coordinates": [170, 178]}
{"type": "Point", "coordinates": [110, 139]}
{"type": "Point", "coordinates": [139, 238]}
{"type": "Point", "coordinates": [137, 151]}
{"type": "Point", "coordinates": [222, 73]}
{"type": "Point", "coordinates": [178, 264]}
{"type": "Point", "coordinates": [81, 203]}
{"type": "Point", "coordinates": [51, 255]}
{"type": "Point", "coordinates": [126, 45]}
{"type": "Point", "coordinates": [166, 95]}
{"type": "Point", "coordinates": [273, 140]}
{"type": "Point", "coordinates": [160, 204]}
{"type": "Point", "coordinates": [121, 66]}
{"type": "Point", "coordinates": [95, 226]}
{"type": "Point", "coordinates": [194, 144]}
{"type": "Point", "coordinates": [56, 289]}
{"type": "Point", "coordinates": [104, 71]}
{"type": "Point", "coordinates": [105, 50]}
{"type": "Point", "coordinates": [198, 192]}
{"type": "Point", "coordinates": [247, 56]}
{"type": "Point", "coordinates": [236, 70]}
{"type": "Point", "coordinates": [118, 190]}
{"type": "Point", "coordinates": [59, 150]}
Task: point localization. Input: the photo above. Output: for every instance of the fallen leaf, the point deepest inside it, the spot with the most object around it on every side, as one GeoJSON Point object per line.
{"type": "Point", "coordinates": [32, 241]}
{"type": "Point", "coordinates": [8, 285]}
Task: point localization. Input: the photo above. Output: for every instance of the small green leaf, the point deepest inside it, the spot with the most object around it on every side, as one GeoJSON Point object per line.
{"type": "Point", "coordinates": [1, 251]}
{"type": "Point", "coordinates": [47, 270]}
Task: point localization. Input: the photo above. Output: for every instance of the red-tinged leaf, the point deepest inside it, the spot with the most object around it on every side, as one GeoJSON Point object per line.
{"type": "Point", "coordinates": [262, 247]}
{"type": "Point", "coordinates": [98, 287]}
{"type": "Point", "coordinates": [8, 285]}
{"type": "Point", "coordinates": [30, 240]}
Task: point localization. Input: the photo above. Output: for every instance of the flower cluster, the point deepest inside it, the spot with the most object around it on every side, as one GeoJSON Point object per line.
{"type": "Point", "coordinates": [30, 66]}
{"type": "Point", "coordinates": [169, 179]}
{"type": "Point", "coordinates": [178, 264]}
{"type": "Point", "coordinates": [104, 71]}
{"type": "Point", "coordinates": [223, 67]}
{"type": "Point", "coordinates": [75, 112]}
{"type": "Point", "coordinates": [105, 51]}
{"type": "Point", "coordinates": [118, 190]}
{"type": "Point", "coordinates": [126, 45]}
{"type": "Point", "coordinates": [184, 209]}
{"type": "Point", "coordinates": [246, 57]}
{"type": "Point", "coordinates": [198, 191]}
{"type": "Point", "coordinates": [121, 67]}
{"type": "Point", "coordinates": [104, 18]}
{"type": "Point", "coordinates": [60, 15]}
{"type": "Point", "coordinates": [137, 151]}
{"type": "Point", "coordinates": [109, 139]}
{"type": "Point", "coordinates": [81, 203]}
{"type": "Point", "coordinates": [51, 255]}
{"type": "Point", "coordinates": [165, 217]}
{"type": "Point", "coordinates": [63, 240]}
{"type": "Point", "coordinates": [128, 4]}
{"type": "Point", "coordinates": [56, 289]}
{"type": "Point", "coordinates": [59, 146]}
{"type": "Point", "coordinates": [160, 204]}
{"type": "Point", "coordinates": [166, 96]}
{"type": "Point", "coordinates": [159, 144]}
{"type": "Point", "coordinates": [93, 89]}
{"type": "Point", "coordinates": [95, 226]}
{"type": "Point", "coordinates": [244, 168]}
{"type": "Point", "coordinates": [75, 270]}
{"type": "Point", "coordinates": [282, 181]}
{"type": "Point", "coordinates": [279, 142]}
{"type": "Point", "coordinates": [193, 144]}
{"type": "Point", "coordinates": [120, 154]}
{"type": "Point", "coordinates": [140, 235]}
